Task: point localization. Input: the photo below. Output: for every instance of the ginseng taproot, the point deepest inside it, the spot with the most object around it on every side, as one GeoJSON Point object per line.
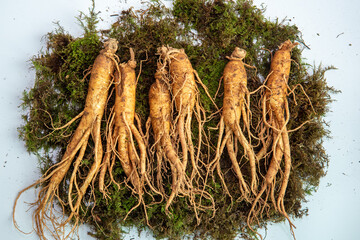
{"type": "Point", "coordinates": [90, 123]}
{"type": "Point", "coordinates": [236, 107]}
{"type": "Point", "coordinates": [275, 118]}
{"type": "Point", "coordinates": [160, 117]}
{"type": "Point", "coordinates": [181, 80]}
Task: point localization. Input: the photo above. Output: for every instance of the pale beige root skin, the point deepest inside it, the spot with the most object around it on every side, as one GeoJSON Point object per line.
{"type": "Point", "coordinates": [275, 117]}
{"type": "Point", "coordinates": [124, 110]}
{"type": "Point", "coordinates": [100, 80]}
{"type": "Point", "coordinates": [160, 115]}
{"type": "Point", "coordinates": [181, 80]}
{"type": "Point", "coordinates": [184, 92]}
{"type": "Point", "coordinates": [122, 135]}
{"type": "Point", "coordinates": [109, 158]}
{"type": "Point", "coordinates": [236, 108]}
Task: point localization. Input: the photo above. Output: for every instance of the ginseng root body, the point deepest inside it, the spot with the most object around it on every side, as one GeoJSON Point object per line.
{"type": "Point", "coordinates": [236, 108]}
{"type": "Point", "coordinates": [184, 92]}
{"type": "Point", "coordinates": [275, 117]}
{"type": "Point", "coordinates": [123, 134]}
{"type": "Point", "coordinates": [90, 123]}
{"type": "Point", "coordinates": [181, 78]}
{"type": "Point", "coordinates": [160, 116]}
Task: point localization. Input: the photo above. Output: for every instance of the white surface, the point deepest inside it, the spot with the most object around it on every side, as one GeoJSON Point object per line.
{"type": "Point", "coordinates": [333, 210]}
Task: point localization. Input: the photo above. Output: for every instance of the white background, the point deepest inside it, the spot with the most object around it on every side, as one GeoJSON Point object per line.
{"type": "Point", "coordinates": [331, 30]}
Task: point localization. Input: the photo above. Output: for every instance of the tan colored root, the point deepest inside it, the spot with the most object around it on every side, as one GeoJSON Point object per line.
{"type": "Point", "coordinates": [135, 178]}
{"type": "Point", "coordinates": [274, 103]}
{"type": "Point", "coordinates": [191, 147]}
{"type": "Point", "coordinates": [215, 163]}
{"type": "Point", "coordinates": [236, 107]}
{"type": "Point", "coordinates": [304, 92]}
{"type": "Point", "coordinates": [58, 128]}
{"type": "Point", "coordinates": [218, 153]}
{"type": "Point", "coordinates": [243, 186]}
{"type": "Point", "coordinates": [74, 174]}
{"type": "Point", "coordinates": [179, 76]}
{"type": "Point", "coordinates": [133, 156]}
{"type": "Point", "coordinates": [159, 168]}
{"type": "Point", "coordinates": [135, 162]}
{"type": "Point", "coordinates": [160, 111]}
{"type": "Point", "coordinates": [248, 150]}
{"type": "Point", "coordinates": [184, 91]}
{"type": "Point", "coordinates": [173, 158]}
{"type": "Point", "coordinates": [264, 150]}
{"type": "Point", "coordinates": [107, 166]}
{"type": "Point", "coordinates": [124, 133]}
{"type": "Point", "coordinates": [101, 74]}
{"type": "Point", "coordinates": [140, 161]}
{"type": "Point", "coordinates": [182, 137]}
{"type": "Point", "coordinates": [175, 186]}
{"type": "Point", "coordinates": [107, 156]}
{"type": "Point", "coordinates": [43, 212]}
{"type": "Point", "coordinates": [269, 179]}
{"type": "Point", "coordinates": [205, 89]}
{"type": "Point", "coordinates": [201, 122]}
{"type": "Point", "coordinates": [95, 167]}
{"type": "Point", "coordinates": [204, 138]}
{"type": "Point", "coordinates": [140, 201]}
{"type": "Point", "coordinates": [142, 148]}
{"type": "Point", "coordinates": [287, 160]}
{"type": "Point", "coordinates": [181, 184]}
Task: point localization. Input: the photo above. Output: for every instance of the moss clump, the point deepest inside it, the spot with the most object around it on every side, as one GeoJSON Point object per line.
{"type": "Point", "coordinates": [208, 31]}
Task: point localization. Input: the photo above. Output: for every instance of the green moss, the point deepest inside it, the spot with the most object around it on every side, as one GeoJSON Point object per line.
{"type": "Point", "coordinates": [208, 31]}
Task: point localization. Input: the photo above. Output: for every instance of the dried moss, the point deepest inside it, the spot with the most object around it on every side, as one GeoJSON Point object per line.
{"type": "Point", "coordinates": [208, 31]}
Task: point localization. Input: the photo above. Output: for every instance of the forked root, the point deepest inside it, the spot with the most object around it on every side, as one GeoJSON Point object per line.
{"type": "Point", "coordinates": [124, 140]}
{"type": "Point", "coordinates": [100, 80]}
{"type": "Point", "coordinates": [179, 77]}
{"type": "Point", "coordinates": [274, 104]}
{"type": "Point", "coordinates": [160, 110]}
{"type": "Point", "coordinates": [236, 107]}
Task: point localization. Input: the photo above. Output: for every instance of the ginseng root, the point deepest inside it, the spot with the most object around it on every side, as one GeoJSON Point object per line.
{"type": "Point", "coordinates": [100, 80]}
{"type": "Point", "coordinates": [160, 116]}
{"type": "Point", "coordinates": [185, 94]}
{"type": "Point", "coordinates": [123, 133]}
{"type": "Point", "coordinates": [236, 107]}
{"type": "Point", "coordinates": [275, 117]}
{"type": "Point", "coordinates": [181, 81]}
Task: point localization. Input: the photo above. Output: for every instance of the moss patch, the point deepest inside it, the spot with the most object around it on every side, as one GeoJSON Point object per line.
{"type": "Point", "coordinates": [208, 31]}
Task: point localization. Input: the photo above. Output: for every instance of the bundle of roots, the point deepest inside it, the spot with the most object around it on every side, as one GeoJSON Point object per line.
{"type": "Point", "coordinates": [174, 101]}
{"type": "Point", "coordinates": [176, 83]}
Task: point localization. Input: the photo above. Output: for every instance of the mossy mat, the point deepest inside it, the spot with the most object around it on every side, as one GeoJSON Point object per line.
{"type": "Point", "coordinates": [208, 31]}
